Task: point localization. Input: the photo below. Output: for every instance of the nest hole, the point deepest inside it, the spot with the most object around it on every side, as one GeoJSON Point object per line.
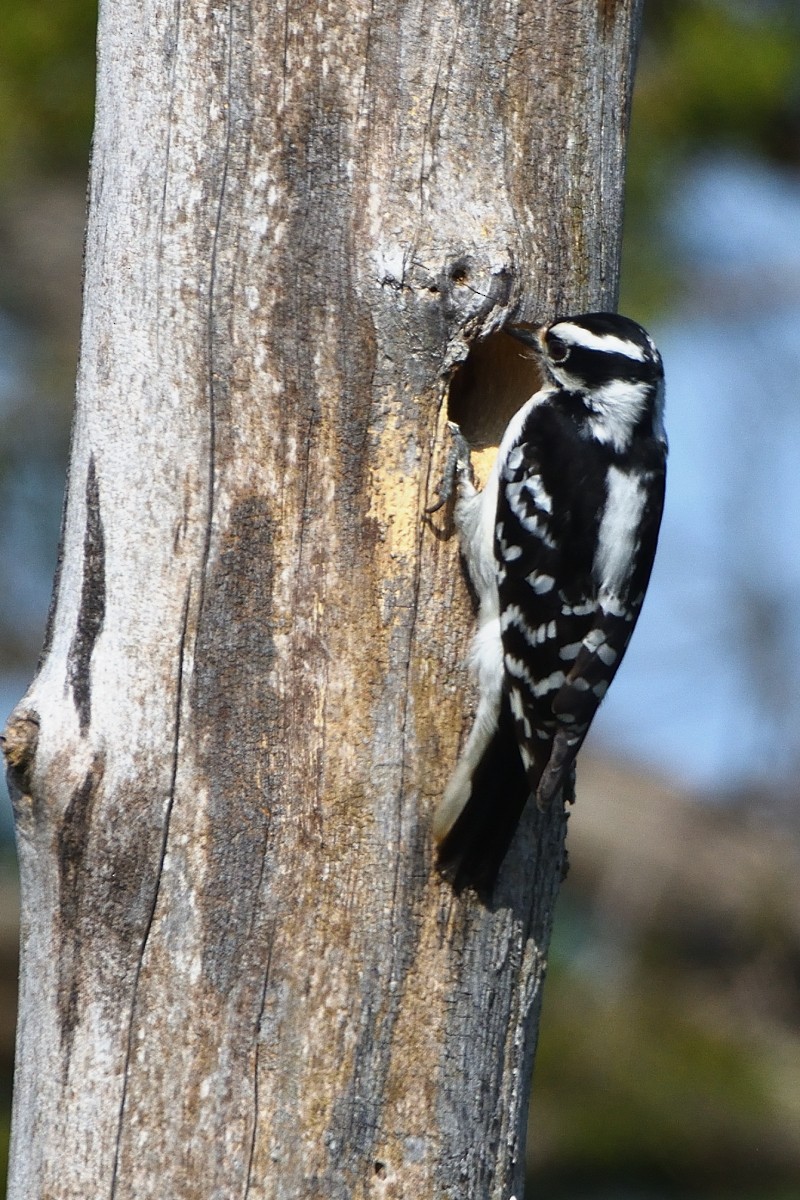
{"type": "Point", "coordinates": [487, 388]}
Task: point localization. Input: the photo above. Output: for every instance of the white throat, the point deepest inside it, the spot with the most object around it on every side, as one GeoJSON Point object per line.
{"type": "Point", "coordinates": [616, 409]}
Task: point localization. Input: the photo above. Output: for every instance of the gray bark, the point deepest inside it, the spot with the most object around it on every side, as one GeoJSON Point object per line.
{"type": "Point", "coordinates": [241, 975]}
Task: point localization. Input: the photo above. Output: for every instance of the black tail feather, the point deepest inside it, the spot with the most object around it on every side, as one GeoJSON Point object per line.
{"type": "Point", "coordinates": [471, 853]}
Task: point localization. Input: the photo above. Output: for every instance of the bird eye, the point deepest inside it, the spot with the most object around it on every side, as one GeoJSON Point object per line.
{"type": "Point", "coordinates": [557, 351]}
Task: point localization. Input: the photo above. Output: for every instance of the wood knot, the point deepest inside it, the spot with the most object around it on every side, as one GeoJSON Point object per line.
{"type": "Point", "coordinates": [18, 742]}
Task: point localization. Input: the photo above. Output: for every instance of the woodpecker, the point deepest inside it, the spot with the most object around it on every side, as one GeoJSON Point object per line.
{"type": "Point", "coordinates": [559, 546]}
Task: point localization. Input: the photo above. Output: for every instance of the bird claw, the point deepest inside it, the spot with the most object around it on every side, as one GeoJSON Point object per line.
{"type": "Point", "coordinates": [457, 466]}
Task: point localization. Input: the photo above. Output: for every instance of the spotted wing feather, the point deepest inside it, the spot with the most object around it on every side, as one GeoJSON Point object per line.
{"type": "Point", "coordinates": [569, 608]}
{"type": "Point", "coordinates": [541, 613]}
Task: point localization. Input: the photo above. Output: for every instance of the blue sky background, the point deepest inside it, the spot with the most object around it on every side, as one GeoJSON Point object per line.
{"type": "Point", "coordinates": [709, 693]}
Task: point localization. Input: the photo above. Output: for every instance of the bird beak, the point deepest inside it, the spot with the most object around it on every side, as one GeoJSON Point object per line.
{"type": "Point", "coordinates": [532, 338]}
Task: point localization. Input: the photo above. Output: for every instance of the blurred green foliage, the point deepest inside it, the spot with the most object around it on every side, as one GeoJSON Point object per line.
{"type": "Point", "coordinates": [713, 75]}
{"type": "Point", "coordinates": [655, 1072]}
{"type": "Point", "coordinates": [47, 57]}
{"type": "Point", "coordinates": [640, 1085]}
{"type": "Point", "coordinates": [713, 72]}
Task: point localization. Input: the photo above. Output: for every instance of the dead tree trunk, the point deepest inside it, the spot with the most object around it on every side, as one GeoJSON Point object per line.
{"type": "Point", "coordinates": [241, 976]}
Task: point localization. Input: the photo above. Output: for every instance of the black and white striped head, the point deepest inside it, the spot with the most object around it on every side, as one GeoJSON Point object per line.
{"type": "Point", "coordinates": [611, 366]}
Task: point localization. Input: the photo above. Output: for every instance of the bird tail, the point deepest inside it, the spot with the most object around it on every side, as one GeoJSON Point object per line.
{"type": "Point", "coordinates": [483, 803]}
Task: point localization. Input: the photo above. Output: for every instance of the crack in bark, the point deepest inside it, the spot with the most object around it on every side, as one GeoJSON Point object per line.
{"type": "Point", "coordinates": [257, 1059]}
{"type": "Point", "coordinates": [157, 888]}
{"type": "Point", "coordinates": [212, 281]}
{"type": "Point", "coordinates": [313, 417]}
{"type": "Point", "coordinates": [424, 173]}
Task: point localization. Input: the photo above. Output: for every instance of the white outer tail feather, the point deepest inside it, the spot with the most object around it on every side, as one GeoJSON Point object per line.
{"type": "Point", "coordinates": [459, 788]}
{"type": "Point", "coordinates": [486, 652]}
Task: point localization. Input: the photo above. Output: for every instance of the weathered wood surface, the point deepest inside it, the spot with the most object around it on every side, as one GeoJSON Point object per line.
{"type": "Point", "coordinates": [241, 977]}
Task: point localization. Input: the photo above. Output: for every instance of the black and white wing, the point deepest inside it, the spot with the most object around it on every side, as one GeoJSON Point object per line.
{"type": "Point", "coordinates": [571, 590]}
